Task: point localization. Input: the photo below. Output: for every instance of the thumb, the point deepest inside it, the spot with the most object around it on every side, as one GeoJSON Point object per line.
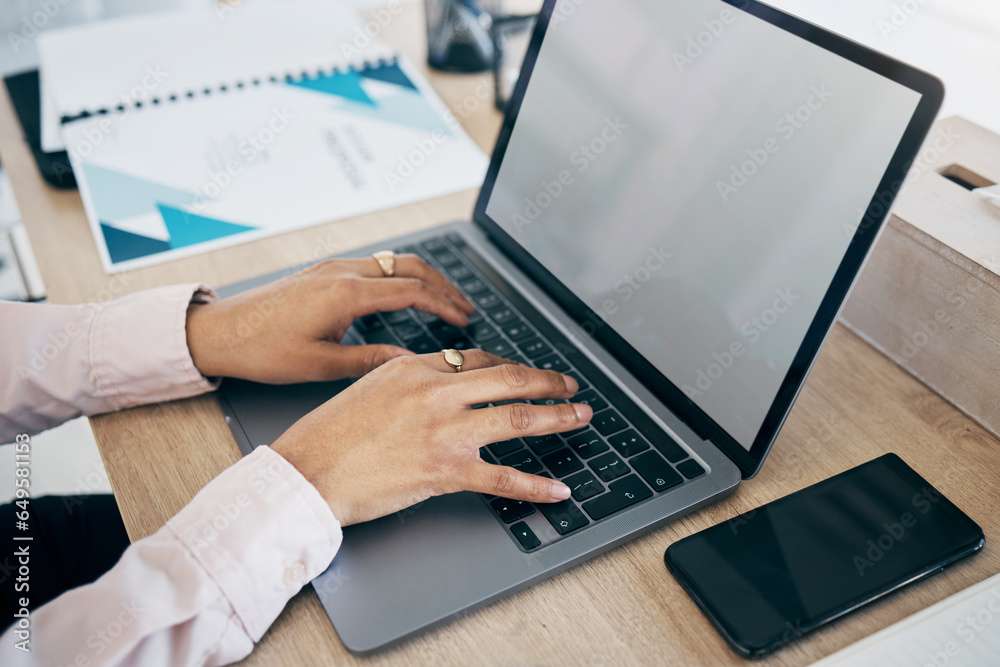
{"type": "Point", "coordinates": [507, 482]}
{"type": "Point", "coordinates": [359, 360]}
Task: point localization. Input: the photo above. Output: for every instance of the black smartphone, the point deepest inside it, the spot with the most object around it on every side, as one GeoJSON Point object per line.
{"type": "Point", "coordinates": [769, 576]}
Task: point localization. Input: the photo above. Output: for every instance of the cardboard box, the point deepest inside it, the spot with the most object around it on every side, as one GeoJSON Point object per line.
{"type": "Point", "coordinates": [929, 296]}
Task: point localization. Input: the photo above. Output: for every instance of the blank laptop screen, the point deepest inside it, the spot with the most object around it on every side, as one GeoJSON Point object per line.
{"type": "Point", "coordinates": [695, 174]}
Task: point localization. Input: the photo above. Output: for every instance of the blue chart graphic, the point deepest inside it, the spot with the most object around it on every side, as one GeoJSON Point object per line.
{"type": "Point", "coordinates": [190, 228]}
{"type": "Point", "coordinates": [123, 245]}
{"type": "Point", "coordinates": [139, 218]}
{"type": "Point", "coordinates": [382, 92]}
{"type": "Point", "coordinates": [121, 200]}
{"type": "Point", "coordinates": [346, 85]}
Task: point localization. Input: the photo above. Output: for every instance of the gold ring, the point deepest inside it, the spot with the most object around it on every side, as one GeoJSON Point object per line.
{"type": "Point", "coordinates": [454, 358]}
{"type": "Point", "coordinates": [386, 261]}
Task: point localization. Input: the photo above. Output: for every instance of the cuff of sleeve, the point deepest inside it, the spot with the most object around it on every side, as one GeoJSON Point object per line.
{"type": "Point", "coordinates": [261, 531]}
{"type": "Point", "coordinates": [138, 347]}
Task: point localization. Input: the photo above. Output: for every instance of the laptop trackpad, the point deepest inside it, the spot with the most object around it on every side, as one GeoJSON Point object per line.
{"type": "Point", "coordinates": [398, 574]}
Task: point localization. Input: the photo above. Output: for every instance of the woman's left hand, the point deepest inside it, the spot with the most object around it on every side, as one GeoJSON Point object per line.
{"type": "Point", "coordinates": [290, 330]}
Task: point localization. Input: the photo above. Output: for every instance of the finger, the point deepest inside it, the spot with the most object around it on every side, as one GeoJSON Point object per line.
{"type": "Point", "coordinates": [473, 359]}
{"type": "Point", "coordinates": [513, 382]}
{"type": "Point", "coordinates": [507, 482]}
{"type": "Point", "coordinates": [412, 266]}
{"type": "Point", "coordinates": [358, 360]}
{"type": "Point", "coordinates": [519, 420]}
{"type": "Point", "coordinates": [389, 294]}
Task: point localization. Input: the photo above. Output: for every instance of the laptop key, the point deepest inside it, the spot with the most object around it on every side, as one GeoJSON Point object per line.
{"type": "Point", "coordinates": [657, 472]}
{"type": "Point", "coordinates": [535, 348]}
{"type": "Point", "coordinates": [486, 457]}
{"type": "Point", "coordinates": [460, 272]}
{"type": "Point", "coordinates": [524, 509]}
{"type": "Point", "coordinates": [621, 494]}
{"type": "Point", "coordinates": [506, 447]}
{"type": "Point", "coordinates": [579, 380]}
{"type": "Point", "coordinates": [584, 485]}
{"type": "Point", "coordinates": [544, 444]}
{"type": "Point", "coordinates": [450, 336]}
{"type": "Point", "coordinates": [517, 330]}
{"type": "Point", "coordinates": [447, 259]}
{"type": "Point", "coordinates": [473, 287]}
{"type": "Point", "coordinates": [455, 239]}
{"type": "Point", "coordinates": [552, 363]}
{"type": "Point", "coordinates": [488, 301]}
{"type": "Point", "coordinates": [588, 444]}
{"type": "Point", "coordinates": [441, 329]}
{"type": "Point", "coordinates": [505, 510]}
{"type": "Point", "coordinates": [608, 422]}
{"type": "Point", "coordinates": [461, 343]}
{"type": "Point", "coordinates": [525, 536]}
{"type": "Point", "coordinates": [523, 461]}
{"type": "Point", "coordinates": [668, 447]}
{"type": "Point", "coordinates": [408, 331]}
{"type": "Point", "coordinates": [576, 431]}
{"type": "Point", "coordinates": [423, 345]}
{"type": "Point", "coordinates": [690, 468]}
{"type": "Point", "coordinates": [502, 315]}
{"type": "Point", "coordinates": [609, 466]}
{"type": "Point", "coordinates": [434, 245]}
{"type": "Point", "coordinates": [628, 443]}
{"type": "Point", "coordinates": [562, 463]}
{"type": "Point", "coordinates": [565, 517]}
{"type": "Point", "coordinates": [547, 401]}
{"type": "Point", "coordinates": [397, 317]}
{"type": "Point", "coordinates": [368, 323]}
{"type": "Point", "coordinates": [501, 348]}
{"type": "Point", "coordinates": [381, 336]}
{"type": "Point", "coordinates": [591, 398]}
{"type": "Point", "coordinates": [482, 333]}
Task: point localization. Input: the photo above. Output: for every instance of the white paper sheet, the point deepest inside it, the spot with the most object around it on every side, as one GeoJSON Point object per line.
{"type": "Point", "coordinates": [990, 194]}
{"type": "Point", "coordinates": [169, 181]}
{"type": "Point", "coordinates": [126, 60]}
{"type": "Point", "coordinates": [960, 631]}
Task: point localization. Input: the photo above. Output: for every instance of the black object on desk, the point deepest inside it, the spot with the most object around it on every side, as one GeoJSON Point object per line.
{"type": "Point", "coordinates": [769, 576]}
{"type": "Point", "coordinates": [24, 95]}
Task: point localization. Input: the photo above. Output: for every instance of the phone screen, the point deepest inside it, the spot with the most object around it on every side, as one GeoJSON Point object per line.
{"type": "Point", "coordinates": [772, 574]}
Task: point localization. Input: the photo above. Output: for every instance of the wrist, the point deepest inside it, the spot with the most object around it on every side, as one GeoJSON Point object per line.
{"type": "Point", "coordinates": [203, 340]}
{"type": "Point", "coordinates": [315, 471]}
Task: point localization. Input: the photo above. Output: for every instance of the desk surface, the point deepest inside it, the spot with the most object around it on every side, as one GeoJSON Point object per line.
{"type": "Point", "coordinates": [620, 608]}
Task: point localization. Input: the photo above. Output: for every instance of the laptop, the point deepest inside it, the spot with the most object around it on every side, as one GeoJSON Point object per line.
{"type": "Point", "coordinates": [680, 198]}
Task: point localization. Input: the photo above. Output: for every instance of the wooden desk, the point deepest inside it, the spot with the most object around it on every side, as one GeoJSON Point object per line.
{"type": "Point", "coordinates": [621, 608]}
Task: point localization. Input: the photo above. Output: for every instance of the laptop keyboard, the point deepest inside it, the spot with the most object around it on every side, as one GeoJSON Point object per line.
{"type": "Point", "coordinates": [619, 460]}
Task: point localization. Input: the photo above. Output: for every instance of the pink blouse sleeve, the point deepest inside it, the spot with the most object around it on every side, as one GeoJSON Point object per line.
{"type": "Point", "coordinates": [202, 589]}
{"type": "Point", "coordinates": [65, 361]}
{"type": "Point", "coordinates": [208, 584]}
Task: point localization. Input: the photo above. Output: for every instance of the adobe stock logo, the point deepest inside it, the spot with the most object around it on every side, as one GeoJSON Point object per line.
{"type": "Point", "coordinates": [786, 127]}
{"type": "Point", "coordinates": [752, 330]}
{"type": "Point", "coordinates": [698, 43]}
{"type": "Point", "coordinates": [895, 532]}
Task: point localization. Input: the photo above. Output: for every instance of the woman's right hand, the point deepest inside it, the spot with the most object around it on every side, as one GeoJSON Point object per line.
{"type": "Point", "coordinates": [406, 431]}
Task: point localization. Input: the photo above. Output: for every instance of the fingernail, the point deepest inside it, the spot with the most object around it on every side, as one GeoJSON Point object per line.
{"type": "Point", "coordinates": [572, 386]}
{"type": "Point", "coordinates": [583, 412]}
{"type": "Point", "coordinates": [559, 491]}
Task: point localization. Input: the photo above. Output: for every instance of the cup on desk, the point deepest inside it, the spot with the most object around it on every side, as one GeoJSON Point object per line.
{"type": "Point", "coordinates": [471, 36]}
